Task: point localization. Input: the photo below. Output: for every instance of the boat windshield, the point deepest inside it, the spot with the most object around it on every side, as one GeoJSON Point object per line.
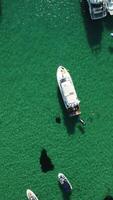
{"type": "Point", "coordinates": [63, 80]}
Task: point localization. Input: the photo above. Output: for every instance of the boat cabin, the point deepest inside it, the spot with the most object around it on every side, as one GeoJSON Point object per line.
{"type": "Point", "coordinates": [70, 97]}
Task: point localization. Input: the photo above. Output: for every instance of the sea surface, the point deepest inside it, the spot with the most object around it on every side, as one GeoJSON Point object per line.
{"type": "Point", "coordinates": [35, 38]}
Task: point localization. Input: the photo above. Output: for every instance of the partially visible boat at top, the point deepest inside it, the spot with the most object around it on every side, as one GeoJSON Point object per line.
{"type": "Point", "coordinates": [31, 195]}
{"type": "Point", "coordinates": [68, 91]}
{"type": "Point", "coordinates": [110, 6]}
{"type": "Point", "coordinates": [97, 9]}
{"type": "Point", "coordinates": [65, 184]}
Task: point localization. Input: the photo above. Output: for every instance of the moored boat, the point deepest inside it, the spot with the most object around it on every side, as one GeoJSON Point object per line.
{"type": "Point", "coordinates": [65, 184]}
{"type": "Point", "coordinates": [31, 195]}
{"type": "Point", "coordinates": [68, 91]}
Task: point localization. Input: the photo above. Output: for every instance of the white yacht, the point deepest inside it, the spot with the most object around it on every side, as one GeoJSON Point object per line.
{"type": "Point", "coordinates": [110, 6]}
{"type": "Point", "coordinates": [31, 195]}
{"type": "Point", "coordinates": [97, 9]}
{"type": "Point", "coordinates": [66, 185]}
{"type": "Point", "coordinates": [68, 91]}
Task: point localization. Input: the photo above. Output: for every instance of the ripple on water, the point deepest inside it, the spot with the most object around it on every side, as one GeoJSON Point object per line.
{"type": "Point", "coordinates": [53, 11]}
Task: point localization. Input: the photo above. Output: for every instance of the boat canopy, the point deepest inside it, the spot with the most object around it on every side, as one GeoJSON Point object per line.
{"type": "Point", "coordinates": [69, 93]}
{"type": "Point", "coordinates": [72, 101]}
{"type": "Point", "coordinates": [68, 88]}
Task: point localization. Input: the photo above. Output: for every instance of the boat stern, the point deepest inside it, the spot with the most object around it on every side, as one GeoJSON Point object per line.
{"type": "Point", "coordinates": [74, 111]}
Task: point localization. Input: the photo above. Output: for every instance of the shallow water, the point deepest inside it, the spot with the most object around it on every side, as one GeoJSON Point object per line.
{"type": "Point", "coordinates": [35, 38]}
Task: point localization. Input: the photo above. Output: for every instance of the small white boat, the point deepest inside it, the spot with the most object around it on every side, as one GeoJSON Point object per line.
{"type": "Point", "coordinates": [68, 91]}
{"type": "Point", "coordinates": [31, 195]}
{"type": "Point", "coordinates": [66, 185]}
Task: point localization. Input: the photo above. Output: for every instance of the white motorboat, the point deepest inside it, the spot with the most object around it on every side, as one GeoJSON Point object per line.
{"type": "Point", "coordinates": [31, 195]}
{"type": "Point", "coordinates": [68, 91]}
{"type": "Point", "coordinates": [66, 185]}
{"type": "Point", "coordinates": [110, 6]}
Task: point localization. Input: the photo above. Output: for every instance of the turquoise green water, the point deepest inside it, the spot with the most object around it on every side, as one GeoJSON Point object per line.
{"type": "Point", "coordinates": [35, 38]}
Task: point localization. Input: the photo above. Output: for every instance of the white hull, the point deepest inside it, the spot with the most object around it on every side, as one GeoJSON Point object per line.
{"type": "Point", "coordinates": [110, 6]}
{"type": "Point", "coordinates": [31, 195]}
{"type": "Point", "coordinates": [61, 178]}
{"type": "Point", "coordinates": [68, 91]}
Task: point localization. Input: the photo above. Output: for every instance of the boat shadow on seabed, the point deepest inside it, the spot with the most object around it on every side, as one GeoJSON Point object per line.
{"type": "Point", "coordinates": [70, 122]}
{"type": "Point", "coordinates": [94, 28]}
{"type": "Point", "coordinates": [108, 22]}
{"type": "Point", "coordinates": [66, 195]}
{"type": "Point", "coordinates": [45, 162]}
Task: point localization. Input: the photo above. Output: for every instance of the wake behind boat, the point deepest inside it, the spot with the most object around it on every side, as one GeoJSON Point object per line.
{"type": "Point", "coordinates": [31, 195]}
{"type": "Point", "coordinates": [66, 185]}
{"type": "Point", "coordinates": [68, 91]}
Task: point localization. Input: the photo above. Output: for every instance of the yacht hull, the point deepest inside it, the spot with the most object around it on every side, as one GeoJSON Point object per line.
{"type": "Point", "coordinates": [68, 91]}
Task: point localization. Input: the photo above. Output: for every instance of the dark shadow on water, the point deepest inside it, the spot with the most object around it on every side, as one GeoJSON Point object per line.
{"type": "Point", "coordinates": [108, 22]}
{"type": "Point", "coordinates": [108, 197]}
{"type": "Point", "coordinates": [110, 49]}
{"type": "Point", "coordinates": [58, 120]}
{"type": "Point", "coordinates": [70, 122]}
{"type": "Point", "coordinates": [81, 128]}
{"type": "Point", "coordinates": [45, 162]}
{"type": "Point", "coordinates": [94, 28]}
{"type": "Point", "coordinates": [66, 195]}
